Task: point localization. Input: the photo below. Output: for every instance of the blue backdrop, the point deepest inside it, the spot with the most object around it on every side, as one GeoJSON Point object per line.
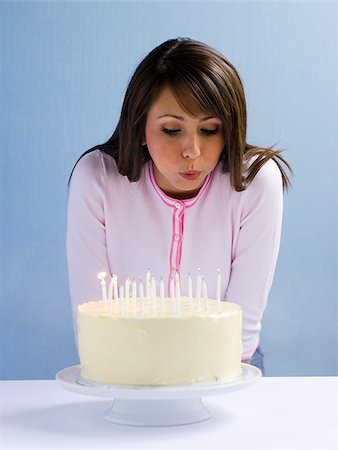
{"type": "Point", "coordinates": [65, 70]}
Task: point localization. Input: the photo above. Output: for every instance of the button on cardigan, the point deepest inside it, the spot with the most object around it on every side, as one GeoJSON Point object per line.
{"type": "Point", "coordinates": [124, 228]}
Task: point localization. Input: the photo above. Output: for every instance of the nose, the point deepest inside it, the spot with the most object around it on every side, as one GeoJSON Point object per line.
{"type": "Point", "coordinates": [191, 147]}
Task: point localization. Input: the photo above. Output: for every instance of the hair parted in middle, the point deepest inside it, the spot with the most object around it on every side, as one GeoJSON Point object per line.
{"type": "Point", "coordinates": [201, 79]}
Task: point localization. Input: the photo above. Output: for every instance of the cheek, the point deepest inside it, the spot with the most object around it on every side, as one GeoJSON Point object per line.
{"type": "Point", "coordinates": [218, 152]}
{"type": "Point", "coordinates": [218, 148]}
{"type": "Point", "coordinates": [160, 149]}
{"type": "Point", "coordinates": [154, 140]}
{"type": "Point", "coordinates": [164, 157]}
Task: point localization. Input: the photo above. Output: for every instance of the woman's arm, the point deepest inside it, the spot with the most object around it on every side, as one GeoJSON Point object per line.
{"type": "Point", "coordinates": [86, 232]}
{"type": "Point", "coordinates": [256, 251]}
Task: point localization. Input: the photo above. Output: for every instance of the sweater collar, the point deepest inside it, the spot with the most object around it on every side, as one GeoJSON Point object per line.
{"type": "Point", "coordinates": [170, 201]}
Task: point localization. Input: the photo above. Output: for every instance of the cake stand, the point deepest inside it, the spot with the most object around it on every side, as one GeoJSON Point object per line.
{"type": "Point", "coordinates": [156, 405]}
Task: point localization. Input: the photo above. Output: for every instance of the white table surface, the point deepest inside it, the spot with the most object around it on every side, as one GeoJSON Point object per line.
{"type": "Point", "coordinates": [298, 413]}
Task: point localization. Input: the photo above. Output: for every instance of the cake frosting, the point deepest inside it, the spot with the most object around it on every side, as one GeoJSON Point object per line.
{"type": "Point", "coordinates": [154, 344]}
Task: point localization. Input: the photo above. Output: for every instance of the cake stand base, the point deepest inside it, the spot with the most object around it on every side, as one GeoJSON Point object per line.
{"type": "Point", "coordinates": [156, 405]}
{"type": "Point", "coordinates": [157, 412]}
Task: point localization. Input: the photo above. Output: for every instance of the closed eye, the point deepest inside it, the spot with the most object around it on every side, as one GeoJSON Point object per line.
{"type": "Point", "coordinates": [170, 131]}
{"type": "Point", "coordinates": [209, 132]}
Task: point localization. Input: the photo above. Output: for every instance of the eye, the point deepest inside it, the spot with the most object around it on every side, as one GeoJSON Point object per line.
{"type": "Point", "coordinates": [210, 132]}
{"type": "Point", "coordinates": [171, 131]}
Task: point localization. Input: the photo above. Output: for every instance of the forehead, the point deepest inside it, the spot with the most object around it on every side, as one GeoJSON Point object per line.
{"type": "Point", "coordinates": [167, 103]}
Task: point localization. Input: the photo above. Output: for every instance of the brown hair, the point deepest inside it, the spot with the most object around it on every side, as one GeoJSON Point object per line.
{"type": "Point", "coordinates": [199, 76]}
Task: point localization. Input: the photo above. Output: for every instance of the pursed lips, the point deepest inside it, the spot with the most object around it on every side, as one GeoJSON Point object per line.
{"type": "Point", "coordinates": [190, 174]}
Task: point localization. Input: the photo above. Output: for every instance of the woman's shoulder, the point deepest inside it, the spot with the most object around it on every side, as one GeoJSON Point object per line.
{"type": "Point", "coordinates": [267, 177]}
{"type": "Point", "coordinates": [94, 166]}
{"type": "Point", "coordinates": [95, 162]}
{"type": "Point", "coordinates": [265, 191]}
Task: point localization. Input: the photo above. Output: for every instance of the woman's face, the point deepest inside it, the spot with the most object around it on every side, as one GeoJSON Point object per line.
{"type": "Point", "coordinates": [184, 148]}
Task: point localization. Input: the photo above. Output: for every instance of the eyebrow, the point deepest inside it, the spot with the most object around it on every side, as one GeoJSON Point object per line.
{"type": "Point", "coordinates": [182, 118]}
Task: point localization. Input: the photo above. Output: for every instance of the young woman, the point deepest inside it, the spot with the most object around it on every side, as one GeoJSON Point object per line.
{"type": "Point", "coordinates": [177, 188]}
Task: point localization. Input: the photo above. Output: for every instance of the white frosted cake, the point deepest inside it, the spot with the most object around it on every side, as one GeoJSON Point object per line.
{"type": "Point", "coordinates": [156, 345]}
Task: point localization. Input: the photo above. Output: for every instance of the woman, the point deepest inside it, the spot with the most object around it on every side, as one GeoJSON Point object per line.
{"type": "Point", "coordinates": [177, 188]}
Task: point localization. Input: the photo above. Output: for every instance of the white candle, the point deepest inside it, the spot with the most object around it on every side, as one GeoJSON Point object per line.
{"type": "Point", "coordinates": [190, 289]}
{"type": "Point", "coordinates": [110, 291]}
{"type": "Point", "coordinates": [141, 294]}
{"type": "Point", "coordinates": [205, 296]}
{"type": "Point", "coordinates": [101, 276]}
{"type": "Point", "coordinates": [115, 289]}
{"type": "Point", "coordinates": [178, 293]}
{"type": "Point", "coordinates": [122, 300]}
{"type": "Point", "coordinates": [218, 286]}
{"type": "Point", "coordinates": [172, 292]}
{"type": "Point", "coordinates": [126, 291]}
{"type": "Point", "coordinates": [198, 288]}
{"type": "Point", "coordinates": [140, 289]}
{"type": "Point", "coordinates": [178, 288]}
{"type": "Point", "coordinates": [153, 295]}
{"type": "Point", "coordinates": [110, 295]}
{"type": "Point", "coordinates": [148, 277]}
{"type": "Point", "coordinates": [162, 293]}
{"type": "Point", "coordinates": [133, 293]}
{"type": "Point", "coordinates": [150, 297]}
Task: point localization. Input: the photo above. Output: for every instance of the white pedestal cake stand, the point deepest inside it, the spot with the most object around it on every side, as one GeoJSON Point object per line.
{"type": "Point", "coordinates": [156, 405]}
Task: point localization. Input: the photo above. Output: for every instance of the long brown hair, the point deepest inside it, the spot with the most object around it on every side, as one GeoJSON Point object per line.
{"type": "Point", "coordinates": [199, 77]}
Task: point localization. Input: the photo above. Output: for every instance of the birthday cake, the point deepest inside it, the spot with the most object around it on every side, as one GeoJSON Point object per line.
{"type": "Point", "coordinates": [158, 341]}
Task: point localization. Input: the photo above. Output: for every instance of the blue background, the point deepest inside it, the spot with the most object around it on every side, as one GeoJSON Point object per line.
{"type": "Point", "coordinates": [65, 68]}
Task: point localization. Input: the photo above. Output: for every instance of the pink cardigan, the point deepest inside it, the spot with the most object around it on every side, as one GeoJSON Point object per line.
{"type": "Point", "coordinates": [125, 228]}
